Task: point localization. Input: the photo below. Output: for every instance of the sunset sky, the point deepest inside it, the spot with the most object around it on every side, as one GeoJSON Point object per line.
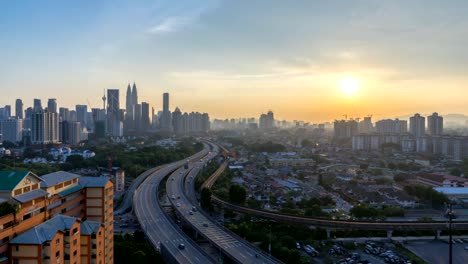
{"type": "Point", "coordinates": [241, 58]}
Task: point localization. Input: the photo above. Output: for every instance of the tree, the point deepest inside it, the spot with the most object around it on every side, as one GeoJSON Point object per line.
{"type": "Point", "coordinates": [205, 198]}
{"type": "Point", "coordinates": [237, 194]}
{"type": "Point", "coordinates": [399, 177]}
{"type": "Point", "coordinates": [75, 161]}
{"type": "Point", "coordinates": [365, 211]}
{"type": "Point", "coordinates": [8, 144]}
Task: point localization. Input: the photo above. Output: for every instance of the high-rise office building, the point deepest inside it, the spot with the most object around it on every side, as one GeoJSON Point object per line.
{"type": "Point", "coordinates": [177, 122]}
{"type": "Point", "coordinates": [165, 102]}
{"type": "Point", "coordinates": [7, 111]}
{"type": "Point", "coordinates": [166, 119]}
{"type": "Point", "coordinates": [64, 114]}
{"type": "Point", "coordinates": [435, 124]}
{"type": "Point", "coordinates": [114, 124]}
{"type": "Point", "coordinates": [417, 125]}
{"type": "Point", "coordinates": [11, 129]}
{"type": "Point", "coordinates": [45, 127]}
{"type": "Point", "coordinates": [81, 114]}
{"type": "Point", "coordinates": [27, 123]}
{"type": "Point", "coordinates": [37, 105]}
{"type": "Point", "coordinates": [137, 118]}
{"type": "Point", "coordinates": [19, 108]}
{"type": "Point", "coordinates": [145, 117]}
{"type": "Point", "coordinates": [52, 105]}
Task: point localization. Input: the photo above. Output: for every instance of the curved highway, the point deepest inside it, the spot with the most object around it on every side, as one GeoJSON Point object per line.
{"type": "Point", "coordinates": [236, 248]}
{"type": "Point", "coordinates": [127, 201]}
{"type": "Point", "coordinates": [157, 226]}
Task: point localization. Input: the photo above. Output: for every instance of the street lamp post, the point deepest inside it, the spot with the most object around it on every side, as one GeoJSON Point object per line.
{"type": "Point", "coordinates": [450, 215]}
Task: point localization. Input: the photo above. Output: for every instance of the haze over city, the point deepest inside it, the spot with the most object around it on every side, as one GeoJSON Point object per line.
{"type": "Point", "coordinates": [242, 58]}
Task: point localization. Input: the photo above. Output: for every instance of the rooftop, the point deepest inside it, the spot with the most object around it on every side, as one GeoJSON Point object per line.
{"type": "Point", "coordinates": [93, 181]}
{"type": "Point", "coordinates": [55, 178]}
{"type": "Point", "coordinates": [452, 190]}
{"type": "Point", "coordinates": [45, 231]}
{"type": "Point", "coordinates": [10, 179]}
{"type": "Point", "coordinates": [26, 197]}
{"type": "Point", "coordinates": [89, 227]}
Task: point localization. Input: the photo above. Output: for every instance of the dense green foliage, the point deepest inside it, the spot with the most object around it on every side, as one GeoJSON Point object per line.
{"type": "Point", "coordinates": [281, 236]}
{"type": "Point", "coordinates": [205, 198]}
{"type": "Point", "coordinates": [428, 195]}
{"type": "Point", "coordinates": [369, 212]}
{"type": "Point", "coordinates": [7, 208]}
{"type": "Point", "coordinates": [237, 194]}
{"type": "Point", "coordinates": [266, 147]}
{"type": "Point", "coordinates": [133, 162]}
{"type": "Point", "coordinates": [207, 171]}
{"type": "Point", "coordinates": [134, 249]}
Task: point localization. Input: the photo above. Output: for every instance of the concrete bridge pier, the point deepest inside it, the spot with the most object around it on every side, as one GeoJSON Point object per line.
{"type": "Point", "coordinates": [389, 234]}
{"type": "Point", "coordinates": [438, 234]}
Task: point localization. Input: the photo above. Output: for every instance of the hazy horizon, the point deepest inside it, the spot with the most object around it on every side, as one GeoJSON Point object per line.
{"type": "Point", "coordinates": [242, 58]}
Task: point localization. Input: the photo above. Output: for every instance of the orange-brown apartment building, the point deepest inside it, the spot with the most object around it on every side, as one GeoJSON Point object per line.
{"type": "Point", "coordinates": [59, 218]}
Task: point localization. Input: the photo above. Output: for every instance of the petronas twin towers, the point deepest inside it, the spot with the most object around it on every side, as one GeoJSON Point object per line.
{"type": "Point", "coordinates": [137, 115]}
{"type": "Point", "coordinates": [131, 100]}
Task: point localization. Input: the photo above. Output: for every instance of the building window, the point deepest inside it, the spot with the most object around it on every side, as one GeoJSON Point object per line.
{"type": "Point", "coordinates": [17, 248]}
{"type": "Point", "coordinates": [75, 242]}
{"type": "Point", "coordinates": [57, 254]}
{"type": "Point", "coordinates": [74, 253]}
{"type": "Point", "coordinates": [57, 241]}
{"type": "Point", "coordinates": [75, 230]}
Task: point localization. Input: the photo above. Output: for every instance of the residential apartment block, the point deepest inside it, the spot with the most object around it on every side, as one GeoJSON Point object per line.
{"type": "Point", "coordinates": [56, 218]}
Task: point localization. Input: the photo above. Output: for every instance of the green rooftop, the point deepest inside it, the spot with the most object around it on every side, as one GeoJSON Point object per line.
{"type": "Point", "coordinates": [9, 179]}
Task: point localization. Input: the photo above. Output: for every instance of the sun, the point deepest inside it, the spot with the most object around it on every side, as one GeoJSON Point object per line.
{"type": "Point", "coordinates": [349, 85]}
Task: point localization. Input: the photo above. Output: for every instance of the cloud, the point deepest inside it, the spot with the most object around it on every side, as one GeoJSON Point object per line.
{"type": "Point", "coordinates": [171, 24]}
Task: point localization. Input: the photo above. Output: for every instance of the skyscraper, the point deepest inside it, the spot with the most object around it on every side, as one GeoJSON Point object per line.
{"type": "Point", "coordinates": [435, 124]}
{"type": "Point", "coordinates": [37, 105]}
{"type": "Point", "coordinates": [145, 117]}
{"type": "Point", "coordinates": [134, 95]}
{"type": "Point", "coordinates": [19, 108]}
{"type": "Point", "coordinates": [129, 115]}
{"type": "Point", "coordinates": [81, 112]}
{"type": "Point", "coordinates": [137, 118]}
{"type": "Point", "coordinates": [45, 127]}
{"type": "Point", "coordinates": [417, 125]}
{"type": "Point", "coordinates": [113, 112]}
{"type": "Point", "coordinates": [165, 102]}
{"type": "Point", "coordinates": [11, 129]}
{"type": "Point", "coordinates": [52, 105]}
{"type": "Point", "coordinates": [177, 122]}
{"type": "Point", "coordinates": [64, 114]}
{"type": "Point", "coordinates": [166, 123]}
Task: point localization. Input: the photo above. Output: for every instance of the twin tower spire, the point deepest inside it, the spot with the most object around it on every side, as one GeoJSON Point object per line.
{"type": "Point", "coordinates": [132, 97]}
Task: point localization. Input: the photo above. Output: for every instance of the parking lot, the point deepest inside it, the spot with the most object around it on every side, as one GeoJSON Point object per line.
{"type": "Point", "coordinates": [438, 251]}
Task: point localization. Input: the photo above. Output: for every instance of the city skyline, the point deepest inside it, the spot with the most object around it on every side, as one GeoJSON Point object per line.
{"type": "Point", "coordinates": [234, 60]}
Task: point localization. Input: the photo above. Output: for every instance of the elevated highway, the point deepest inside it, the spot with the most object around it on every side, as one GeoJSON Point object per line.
{"type": "Point", "coordinates": [157, 226]}
{"type": "Point", "coordinates": [228, 243]}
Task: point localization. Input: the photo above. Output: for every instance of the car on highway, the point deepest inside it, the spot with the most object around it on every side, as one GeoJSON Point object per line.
{"type": "Point", "coordinates": [173, 197]}
{"type": "Point", "coordinates": [178, 204]}
{"type": "Point", "coordinates": [181, 246]}
{"type": "Point", "coordinates": [194, 208]}
{"type": "Point", "coordinates": [190, 213]}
